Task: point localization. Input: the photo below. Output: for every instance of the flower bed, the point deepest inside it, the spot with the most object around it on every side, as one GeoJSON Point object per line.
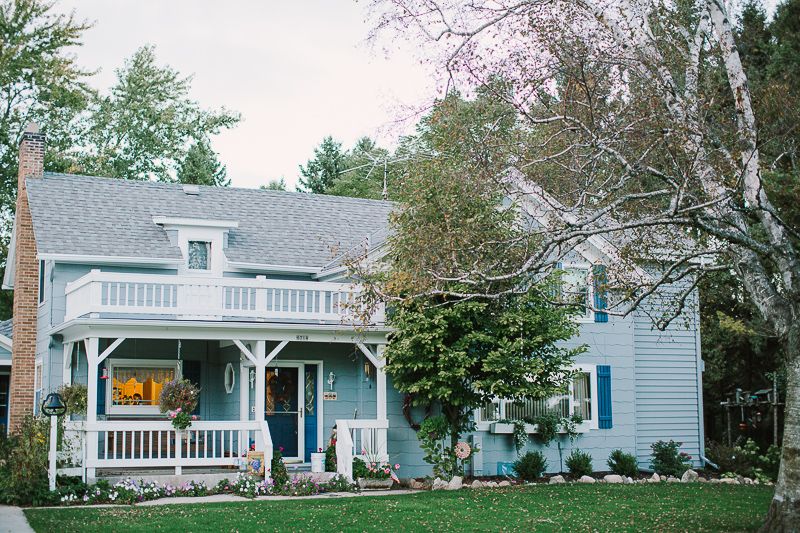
{"type": "Point", "coordinates": [129, 491]}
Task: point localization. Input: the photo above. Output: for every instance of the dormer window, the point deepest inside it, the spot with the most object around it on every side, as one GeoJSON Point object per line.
{"type": "Point", "coordinates": [199, 255]}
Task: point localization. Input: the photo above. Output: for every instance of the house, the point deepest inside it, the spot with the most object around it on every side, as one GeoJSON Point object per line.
{"type": "Point", "coordinates": [5, 371]}
{"type": "Point", "coordinates": [123, 284]}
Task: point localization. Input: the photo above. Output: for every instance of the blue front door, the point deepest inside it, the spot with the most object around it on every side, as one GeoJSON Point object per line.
{"type": "Point", "coordinates": [310, 415]}
{"type": "Point", "coordinates": [284, 409]}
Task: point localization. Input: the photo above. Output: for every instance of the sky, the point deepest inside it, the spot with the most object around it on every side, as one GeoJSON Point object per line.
{"type": "Point", "coordinates": [297, 71]}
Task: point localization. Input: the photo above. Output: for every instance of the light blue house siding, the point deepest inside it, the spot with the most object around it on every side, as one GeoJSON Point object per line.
{"type": "Point", "coordinates": [668, 387]}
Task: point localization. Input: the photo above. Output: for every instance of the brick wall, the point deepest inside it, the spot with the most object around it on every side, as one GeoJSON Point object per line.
{"type": "Point", "coordinates": [26, 283]}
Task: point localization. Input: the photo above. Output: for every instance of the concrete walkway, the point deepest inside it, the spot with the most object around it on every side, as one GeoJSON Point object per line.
{"type": "Point", "coordinates": [12, 519]}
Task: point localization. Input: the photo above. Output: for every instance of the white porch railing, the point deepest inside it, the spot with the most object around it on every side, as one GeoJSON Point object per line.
{"type": "Point", "coordinates": [210, 298]}
{"type": "Point", "coordinates": [370, 442]}
{"type": "Point", "coordinates": [156, 444]}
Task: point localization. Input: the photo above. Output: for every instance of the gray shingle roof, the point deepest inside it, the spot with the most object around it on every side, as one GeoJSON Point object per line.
{"type": "Point", "coordinates": [109, 217]}
{"type": "Point", "coordinates": [7, 327]}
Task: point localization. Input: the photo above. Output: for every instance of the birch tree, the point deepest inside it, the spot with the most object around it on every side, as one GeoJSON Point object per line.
{"type": "Point", "coordinates": [639, 127]}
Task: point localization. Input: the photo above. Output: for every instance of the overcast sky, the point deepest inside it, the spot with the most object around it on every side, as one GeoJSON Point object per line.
{"type": "Point", "coordinates": [296, 70]}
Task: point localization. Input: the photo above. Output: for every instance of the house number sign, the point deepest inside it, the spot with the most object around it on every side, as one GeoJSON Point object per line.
{"type": "Point", "coordinates": [302, 337]}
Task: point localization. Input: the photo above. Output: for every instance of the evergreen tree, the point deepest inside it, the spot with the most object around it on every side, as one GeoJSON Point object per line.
{"type": "Point", "coordinates": [320, 173]}
{"type": "Point", "coordinates": [200, 167]}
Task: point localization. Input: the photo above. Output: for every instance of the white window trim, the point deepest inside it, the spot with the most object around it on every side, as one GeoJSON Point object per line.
{"type": "Point", "coordinates": [38, 384]}
{"type": "Point", "coordinates": [586, 425]}
{"type": "Point", "coordinates": [135, 409]}
{"type": "Point", "coordinates": [589, 267]}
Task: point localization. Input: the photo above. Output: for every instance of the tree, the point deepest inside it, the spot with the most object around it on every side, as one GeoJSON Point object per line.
{"type": "Point", "coordinates": [462, 353]}
{"type": "Point", "coordinates": [320, 173]}
{"type": "Point", "coordinates": [144, 128]}
{"type": "Point", "coordinates": [201, 167]}
{"type": "Point", "coordinates": [274, 185]}
{"type": "Point", "coordinates": [39, 82]}
{"type": "Point", "coordinates": [642, 128]}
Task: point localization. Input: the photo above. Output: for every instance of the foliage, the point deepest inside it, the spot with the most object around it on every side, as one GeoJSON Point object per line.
{"type": "Point", "coordinates": [145, 126]}
{"type": "Point", "coordinates": [667, 459]}
{"type": "Point", "coordinates": [274, 185]}
{"type": "Point", "coordinates": [179, 394]}
{"type": "Point", "coordinates": [319, 173]}
{"type": "Point", "coordinates": [530, 466]}
{"type": "Point", "coordinates": [200, 167]}
{"type": "Point", "coordinates": [579, 463]}
{"type": "Point", "coordinates": [277, 470]}
{"type": "Point", "coordinates": [23, 474]}
{"type": "Point", "coordinates": [374, 470]}
{"type": "Point", "coordinates": [765, 467]}
{"type": "Point", "coordinates": [76, 397]}
{"type": "Point", "coordinates": [728, 458]}
{"type": "Point", "coordinates": [548, 425]}
{"type": "Point", "coordinates": [357, 173]}
{"type": "Point", "coordinates": [181, 419]}
{"type": "Point", "coordinates": [623, 464]}
{"type": "Point", "coordinates": [40, 81]}
{"type": "Point", "coordinates": [432, 435]}
{"type": "Point", "coordinates": [330, 457]}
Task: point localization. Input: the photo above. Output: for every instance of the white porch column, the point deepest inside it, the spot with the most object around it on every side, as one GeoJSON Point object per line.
{"type": "Point", "coordinates": [93, 359]}
{"type": "Point", "coordinates": [260, 354]}
{"type": "Point", "coordinates": [244, 393]}
{"type": "Point", "coordinates": [380, 380]}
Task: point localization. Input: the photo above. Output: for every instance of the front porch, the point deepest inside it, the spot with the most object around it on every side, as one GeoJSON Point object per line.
{"type": "Point", "coordinates": [263, 387]}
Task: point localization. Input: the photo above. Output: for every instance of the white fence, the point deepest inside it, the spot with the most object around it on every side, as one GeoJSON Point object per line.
{"type": "Point", "coordinates": [259, 298]}
{"type": "Point", "coordinates": [365, 439]}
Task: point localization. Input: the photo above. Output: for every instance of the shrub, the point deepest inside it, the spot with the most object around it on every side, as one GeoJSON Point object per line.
{"type": "Point", "coordinates": [277, 469]}
{"type": "Point", "coordinates": [23, 477]}
{"type": "Point", "coordinates": [330, 458]}
{"type": "Point", "coordinates": [765, 467]}
{"type": "Point", "coordinates": [623, 464]}
{"type": "Point", "coordinates": [76, 397]}
{"type": "Point", "coordinates": [579, 463]}
{"type": "Point", "coordinates": [667, 459]}
{"type": "Point", "coordinates": [729, 459]}
{"type": "Point", "coordinates": [530, 466]}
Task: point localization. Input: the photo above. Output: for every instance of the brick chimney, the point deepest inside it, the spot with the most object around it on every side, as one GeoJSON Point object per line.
{"type": "Point", "coordinates": [26, 282]}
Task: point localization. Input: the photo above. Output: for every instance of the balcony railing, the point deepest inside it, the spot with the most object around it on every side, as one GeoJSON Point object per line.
{"type": "Point", "coordinates": [211, 298]}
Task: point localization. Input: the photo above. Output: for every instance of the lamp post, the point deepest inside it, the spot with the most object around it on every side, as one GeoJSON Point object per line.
{"type": "Point", "coordinates": [53, 406]}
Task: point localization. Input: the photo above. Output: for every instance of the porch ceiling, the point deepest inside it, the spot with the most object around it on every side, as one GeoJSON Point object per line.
{"type": "Point", "coordinates": [83, 328]}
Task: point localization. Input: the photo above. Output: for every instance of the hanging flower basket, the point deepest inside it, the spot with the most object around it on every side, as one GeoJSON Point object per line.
{"type": "Point", "coordinates": [178, 399]}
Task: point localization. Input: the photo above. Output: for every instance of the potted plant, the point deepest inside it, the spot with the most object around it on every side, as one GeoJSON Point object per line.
{"type": "Point", "coordinates": [178, 399]}
{"type": "Point", "coordinates": [374, 475]}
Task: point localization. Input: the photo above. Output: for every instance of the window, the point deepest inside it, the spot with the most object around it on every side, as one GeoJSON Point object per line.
{"type": "Point", "coordinates": [581, 399]}
{"type": "Point", "coordinates": [134, 386]}
{"type": "Point", "coordinates": [37, 387]}
{"type": "Point", "coordinates": [575, 288]}
{"type": "Point", "coordinates": [199, 255]}
{"type": "Point", "coordinates": [41, 281]}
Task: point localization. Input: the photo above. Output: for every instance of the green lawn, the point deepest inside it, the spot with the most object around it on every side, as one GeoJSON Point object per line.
{"type": "Point", "coordinates": [617, 508]}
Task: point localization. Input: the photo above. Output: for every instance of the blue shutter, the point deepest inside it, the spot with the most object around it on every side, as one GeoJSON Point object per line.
{"type": "Point", "coordinates": [604, 396]}
{"type": "Point", "coordinates": [599, 277]}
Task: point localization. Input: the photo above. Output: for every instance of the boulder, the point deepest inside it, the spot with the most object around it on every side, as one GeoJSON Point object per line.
{"type": "Point", "coordinates": [613, 478]}
{"type": "Point", "coordinates": [671, 479]}
{"type": "Point", "coordinates": [748, 481]}
{"type": "Point", "coordinates": [690, 476]}
{"type": "Point", "coordinates": [492, 484]}
{"type": "Point", "coordinates": [728, 480]}
{"type": "Point", "coordinates": [476, 485]}
{"type": "Point", "coordinates": [701, 479]}
{"type": "Point", "coordinates": [655, 478]}
{"type": "Point", "coordinates": [629, 480]}
{"type": "Point", "coordinates": [417, 485]}
{"type": "Point", "coordinates": [438, 484]}
{"type": "Point", "coordinates": [455, 483]}
{"type": "Point", "coordinates": [586, 479]}
{"type": "Point", "coordinates": [557, 479]}
{"type": "Point", "coordinates": [505, 484]}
